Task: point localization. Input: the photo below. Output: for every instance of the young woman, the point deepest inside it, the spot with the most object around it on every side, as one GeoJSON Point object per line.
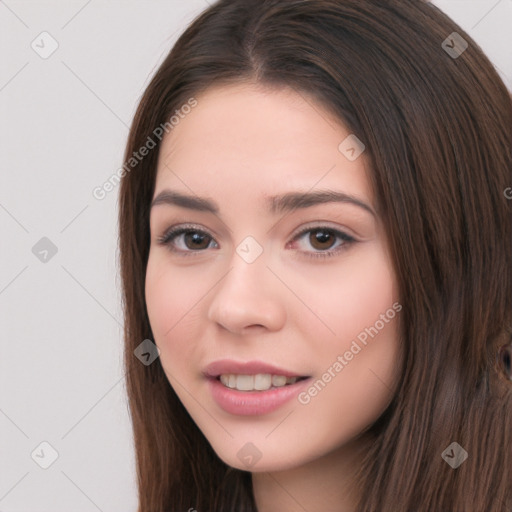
{"type": "Point", "coordinates": [316, 259]}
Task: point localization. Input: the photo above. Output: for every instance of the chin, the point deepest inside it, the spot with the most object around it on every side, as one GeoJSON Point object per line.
{"type": "Point", "coordinates": [251, 457]}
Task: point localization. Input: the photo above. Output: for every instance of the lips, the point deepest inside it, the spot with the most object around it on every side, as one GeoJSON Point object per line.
{"type": "Point", "coordinates": [249, 401]}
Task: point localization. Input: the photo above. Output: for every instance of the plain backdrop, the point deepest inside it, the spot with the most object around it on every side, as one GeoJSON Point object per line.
{"type": "Point", "coordinates": [64, 120]}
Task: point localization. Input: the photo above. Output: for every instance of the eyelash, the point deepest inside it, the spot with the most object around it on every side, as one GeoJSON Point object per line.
{"type": "Point", "coordinates": [173, 233]}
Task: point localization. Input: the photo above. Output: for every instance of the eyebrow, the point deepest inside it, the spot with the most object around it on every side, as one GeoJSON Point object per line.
{"type": "Point", "coordinates": [288, 202]}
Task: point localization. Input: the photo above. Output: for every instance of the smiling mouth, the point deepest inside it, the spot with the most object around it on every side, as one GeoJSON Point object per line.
{"type": "Point", "coordinates": [257, 382]}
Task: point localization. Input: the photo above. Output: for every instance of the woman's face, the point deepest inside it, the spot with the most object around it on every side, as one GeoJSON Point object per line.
{"type": "Point", "coordinates": [290, 286]}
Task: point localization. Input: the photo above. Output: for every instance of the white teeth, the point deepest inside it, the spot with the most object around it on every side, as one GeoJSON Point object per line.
{"type": "Point", "coordinates": [245, 382]}
{"type": "Point", "coordinates": [258, 382]}
{"type": "Point", "coordinates": [278, 380]}
{"type": "Point", "coordinates": [262, 381]}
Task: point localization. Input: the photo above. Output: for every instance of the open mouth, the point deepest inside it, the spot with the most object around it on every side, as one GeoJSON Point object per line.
{"type": "Point", "coordinates": [257, 382]}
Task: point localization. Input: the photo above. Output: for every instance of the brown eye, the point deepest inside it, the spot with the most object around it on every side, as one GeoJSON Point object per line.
{"type": "Point", "coordinates": [191, 240]}
{"type": "Point", "coordinates": [322, 241]}
{"type": "Point", "coordinates": [187, 241]}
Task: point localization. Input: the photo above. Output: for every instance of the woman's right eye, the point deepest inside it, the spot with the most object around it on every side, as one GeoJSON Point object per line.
{"type": "Point", "coordinates": [192, 240]}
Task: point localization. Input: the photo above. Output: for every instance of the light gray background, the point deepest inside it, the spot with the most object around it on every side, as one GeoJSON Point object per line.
{"type": "Point", "coordinates": [63, 126]}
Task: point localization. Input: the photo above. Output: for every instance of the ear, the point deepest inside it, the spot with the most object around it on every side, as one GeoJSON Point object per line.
{"type": "Point", "coordinates": [505, 360]}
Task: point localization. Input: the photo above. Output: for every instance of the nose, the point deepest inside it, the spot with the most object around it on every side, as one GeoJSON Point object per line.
{"type": "Point", "coordinates": [248, 297]}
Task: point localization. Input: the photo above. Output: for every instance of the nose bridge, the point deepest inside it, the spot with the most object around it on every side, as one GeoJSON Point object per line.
{"type": "Point", "coordinates": [247, 268]}
{"type": "Point", "coordinates": [245, 295]}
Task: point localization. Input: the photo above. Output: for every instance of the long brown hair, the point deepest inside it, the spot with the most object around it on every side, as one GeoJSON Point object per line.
{"type": "Point", "coordinates": [437, 127]}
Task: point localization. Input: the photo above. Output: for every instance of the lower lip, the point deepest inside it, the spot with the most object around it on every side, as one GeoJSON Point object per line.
{"type": "Point", "coordinates": [250, 403]}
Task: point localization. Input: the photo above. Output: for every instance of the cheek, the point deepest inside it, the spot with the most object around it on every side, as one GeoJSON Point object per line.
{"type": "Point", "coordinates": [358, 394]}
{"type": "Point", "coordinates": [173, 303]}
{"type": "Point", "coordinates": [357, 306]}
{"type": "Point", "coordinates": [349, 298]}
{"type": "Point", "coordinates": [372, 293]}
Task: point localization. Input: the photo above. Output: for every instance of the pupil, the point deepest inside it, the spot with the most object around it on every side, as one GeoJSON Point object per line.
{"type": "Point", "coordinates": [196, 238]}
{"type": "Point", "coordinates": [321, 236]}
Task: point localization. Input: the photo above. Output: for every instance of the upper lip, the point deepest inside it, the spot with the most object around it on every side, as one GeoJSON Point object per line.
{"type": "Point", "coordinates": [228, 366]}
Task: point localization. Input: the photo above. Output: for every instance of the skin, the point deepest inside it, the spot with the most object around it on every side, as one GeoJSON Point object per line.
{"type": "Point", "coordinates": [239, 144]}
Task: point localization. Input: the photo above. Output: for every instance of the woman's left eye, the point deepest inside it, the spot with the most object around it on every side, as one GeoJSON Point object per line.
{"type": "Point", "coordinates": [320, 238]}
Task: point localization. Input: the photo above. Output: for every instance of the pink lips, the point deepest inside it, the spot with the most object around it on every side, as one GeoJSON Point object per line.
{"type": "Point", "coordinates": [246, 403]}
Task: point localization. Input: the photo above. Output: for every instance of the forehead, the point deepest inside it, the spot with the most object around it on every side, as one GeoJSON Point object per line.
{"type": "Point", "coordinates": [260, 140]}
